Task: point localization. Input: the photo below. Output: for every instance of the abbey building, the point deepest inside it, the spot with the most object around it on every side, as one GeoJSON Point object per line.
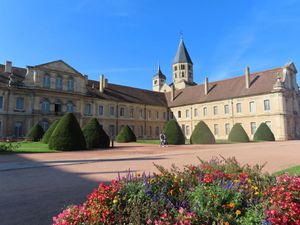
{"type": "Point", "coordinates": [43, 93]}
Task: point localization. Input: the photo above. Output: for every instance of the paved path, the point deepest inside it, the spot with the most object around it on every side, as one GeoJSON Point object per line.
{"type": "Point", "coordinates": [35, 187]}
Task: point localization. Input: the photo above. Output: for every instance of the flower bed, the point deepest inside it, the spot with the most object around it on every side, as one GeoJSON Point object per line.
{"type": "Point", "coordinates": [214, 192]}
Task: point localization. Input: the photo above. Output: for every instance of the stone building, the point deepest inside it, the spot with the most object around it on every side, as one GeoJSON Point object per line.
{"type": "Point", "coordinates": [43, 93]}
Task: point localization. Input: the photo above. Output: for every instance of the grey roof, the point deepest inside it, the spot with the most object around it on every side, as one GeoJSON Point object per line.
{"type": "Point", "coordinates": [182, 55]}
{"type": "Point", "coordinates": [159, 73]}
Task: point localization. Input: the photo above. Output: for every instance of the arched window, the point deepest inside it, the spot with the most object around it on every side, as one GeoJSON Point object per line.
{"type": "Point", "coordinates": [179, 114]}
{"type": "Point", "coordinates": [46, 81]}
{"type": "Point", "coordinates": [70, 84]}
{"type": "Point", "coordinates": [70, 107]}
{"type": "Point", "coordinates": [45, 106]}
{"type": "Point", "coordinates": [58, 82]}
{"type": "Point", "coordinates": [44, 124]}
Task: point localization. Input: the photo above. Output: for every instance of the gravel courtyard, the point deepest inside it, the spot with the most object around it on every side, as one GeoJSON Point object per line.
{"type": "Point", "coordinates": [35, 187]}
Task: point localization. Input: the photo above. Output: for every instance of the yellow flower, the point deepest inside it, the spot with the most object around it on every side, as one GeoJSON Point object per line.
{"type": "Point", "coordinates": [171, 191]}
{"type": "Point", "coordinates": [151, 180]}
{"type": "Point", "coordinates": [249, 181]}
{"type": "Point", "coordinates": [180, 190]}
{"type": "Point", "coordinates": [238, 212]}
{"type": "Point", "coordinates": [256, 193]}
{"type": "Point", "coordinates": [236, 181]}
{"type": "Point", "coordinates": [175, 177]}
{"type": "Point", "coordinates": [230, 205]}
{"type": "Point", "coordinates": [115, 201]}
{"type": "Point", "coordinates": [246, 186]}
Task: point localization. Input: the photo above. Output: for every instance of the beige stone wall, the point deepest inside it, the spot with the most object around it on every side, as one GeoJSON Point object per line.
{"type": "Point", "coordinates": [275, 117]}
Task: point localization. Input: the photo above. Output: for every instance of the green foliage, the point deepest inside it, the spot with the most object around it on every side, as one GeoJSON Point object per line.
{"type": "Point", "coordinates": [238, 134]}
{"type": "Point", "coordinates": [263, 133]}
{"type": "Point", "coordinates": [36, 133]}
{"type": "Point", "coordinates": [174, 133]}
{"type": "Point", "coordinates": [126, 135]}
{"type": "Point", "coordinates": [95, 136]}
{"type": "Point", "coordinates": [49, 132]}
{"type": "Point", "coordinates": [202, 134]}
{"type": "Point", "coordinates": [67, 135]}
{"type": "Point", "coordinates": [9, 147]}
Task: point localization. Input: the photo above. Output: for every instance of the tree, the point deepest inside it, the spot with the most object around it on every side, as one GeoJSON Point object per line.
{"type": "Point", "coordinates": [263, 133]}
{"type": "Point", "coordinates": [67, 135]}
{"type": "Point", "coordinates": [202, 134]}
{"type": "Point", "coordinates": [174, 133]}
{"type": "Point", "coordinates": [49, 132]}
{"type": "Point", "coordinates": [35, 133]}
{"type": "Point", "coordinates": [126, 135]}
{"type": "Point", "coordinates": [238, 134]}
{"type": "Point", "coordinates": [95, 136]}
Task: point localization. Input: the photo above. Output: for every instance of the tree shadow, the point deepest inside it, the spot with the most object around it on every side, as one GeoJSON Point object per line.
{"type": "Point", "coordinates": [34, 195]}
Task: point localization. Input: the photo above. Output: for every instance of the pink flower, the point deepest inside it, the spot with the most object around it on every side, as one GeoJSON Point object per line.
{"type": "Point", "coordinates": [181, 210]}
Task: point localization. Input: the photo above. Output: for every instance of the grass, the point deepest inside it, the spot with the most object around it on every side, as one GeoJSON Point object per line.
{"type": "Point", "coordinates": [295, 170]}
{"type": "Point", "coordinates": [31, 147]}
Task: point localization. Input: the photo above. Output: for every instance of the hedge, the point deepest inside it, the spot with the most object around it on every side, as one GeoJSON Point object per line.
{"type": "Point", "coordinates": [95, 136]}
{"type": "Point", "coordinates": [202, 134]}
{"type": "Point", "coordinates": [238, 134]}
{"type": "Point", "coordinates": [49, 132]}
{"type": "Point", "coordinates": [174, 133]}
{"type": "Point", "coordinates": [36, 133]}
{"type": "Point", "coordinates": [263, 133]}
{"type": "Point", "coordinates": [126, 135]}
{"type": "Point", "coordinates": [67, 135]}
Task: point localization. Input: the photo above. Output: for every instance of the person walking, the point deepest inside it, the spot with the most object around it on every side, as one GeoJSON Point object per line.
{"type": "Point", "coordinates": [161, 138]}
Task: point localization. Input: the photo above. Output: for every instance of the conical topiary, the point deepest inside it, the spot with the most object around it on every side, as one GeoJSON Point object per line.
{"type": "Point", "coordinates": [49, 132]}
{"type": "Point", "coordinates": [238, 134]}
{"type": "Point", "coordinates": [126, 135]}
{"type": "Point", "coordinates": [67, 135]}
{"type": "Point", "coordinates": [263, 133]}
{"type": "Point", "coordinates": [36, 133]}
{"type": "Point", "coordinates": [94, 134]}
{"type": "Point", "coordinates": [202, 134]}
{"type": "Point", "coordinates": [174, 133]}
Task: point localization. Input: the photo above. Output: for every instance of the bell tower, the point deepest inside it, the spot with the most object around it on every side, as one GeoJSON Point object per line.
{"type": "Point", "coordinates": [159, 80]}
{"type": "Point", "coordinates": [182, 68]}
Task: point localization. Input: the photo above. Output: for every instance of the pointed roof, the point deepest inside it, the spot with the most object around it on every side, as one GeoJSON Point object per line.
{"type": "Point", "coordinates": [182, 55]}
{"type": "Point", "coordinates": [159, 73]}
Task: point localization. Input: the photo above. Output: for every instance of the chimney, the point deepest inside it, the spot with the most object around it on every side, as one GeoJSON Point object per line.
{"type": "Point", "coordinates": [172, 93]}
{"type": "Point", "coordinates": [106, 83]}
{"type": "Point", "coordinates": [206, 85]}
{"type": "Point", "coordinates": [101, 83]}
{"type": "Point", "coordinates": [8, 67]}
{"type": "Point", "coordinates": [247, 77]}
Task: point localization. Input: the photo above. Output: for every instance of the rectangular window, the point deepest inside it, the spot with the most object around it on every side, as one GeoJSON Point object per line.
{"type": "Point", "coordinates": [187, 130]}
{"type": "Point", "coordinates": [227, 128]}
{"type": "Point", "coordinates": [20, 103]}
{"type": "Point", "coordinates": [238, 107]}
{"type": "Point", "coordinates": [149, 114]}
{"type": "Point", "coordinates": [267, 105]}
{"type": "Point", "coordinates": [157, 115]}
{"type": "Point", "coordinates": [1, 102]}
{"type": "Point", "coordinates": [122, 111]}
{"type": "Point", "coordinates": [111, 111]}
{"type": "Point", "coordinates": [187, 113]}
{"type": "Point", "coordinates": [131, 112]}
{"type": "Point", "coordinates": [183, 128]}
{"type": "Point", "coordinates": [141, 113]}
{"type": "Point", "coordinates": [179, 114]}
{"type": "Point", "coordinates": [195, 112]}
{"type": "Point", "coordinates": [216, 129]}
{"type": "Point", "coordinates": [88, 109]}
{"type": "Point", "coordinates": [215, 110]}
{"type": "Point", "coordinates": [46, 81]}
{"type": "Point", "coordinates": [59, 82]}
{"type": "Point", "coordinates": [252, 106]}
{"type": "Point", "coordinates": [253, 127]}
{"type": "Point", "coordinates": [205, 111]}
{"type": "Point", "coordinates": [101, 110]}
{"type": "Point", "coordinates": [226, 109]}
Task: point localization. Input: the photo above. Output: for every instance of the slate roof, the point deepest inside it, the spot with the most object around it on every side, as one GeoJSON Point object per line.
{"type": "Point", "coordinates": [182, 55]}
{"type": "Point", "coordinates": [159, 73]}
{"type": "Point", "coordinates": [261, 82]}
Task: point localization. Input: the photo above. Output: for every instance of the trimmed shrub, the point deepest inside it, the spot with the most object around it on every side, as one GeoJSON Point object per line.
{"type": "Point", "coordinates": [67, 135]}
{"type": "Point", "coordinates": [36, 133]}
{"type": "Point", "coordinates": [202, 134]}
{"type": "Point", "coordinates": [174, 133]}
{"type": "Point", "coordinates": [263, 133]}
{"type": "Point", "coordinates": [126, 135]}
{"type": "Point", "coordinates": [238, 134]}
{"type": "Point", "coordinates": [49, 132]}
{"type": "Point", "coordinates": [94, 135]}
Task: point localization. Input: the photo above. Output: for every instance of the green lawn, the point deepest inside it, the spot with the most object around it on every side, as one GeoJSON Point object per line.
{"type": "Point", "coordinates": [32, 147]}
{"type": "Point", "coordinates": [292, 171]}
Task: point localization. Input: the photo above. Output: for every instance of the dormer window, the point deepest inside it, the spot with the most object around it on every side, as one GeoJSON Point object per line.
{"type": "Point", "coordinates": [46, 81]}
{"type": "Point", "coordinates": [70, 84]}
{"type": "Point", "coordinates": [58, 82]}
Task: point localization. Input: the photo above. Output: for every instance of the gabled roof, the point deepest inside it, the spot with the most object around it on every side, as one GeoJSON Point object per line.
{"type": "Point", "coordinates": [182, 55]}
{"type": "Point", "coordinates": [56, 62]}
{"type": "Point", "coordinates": [159, 74]}
{"type": "Point", "coordinates": [261, 82]}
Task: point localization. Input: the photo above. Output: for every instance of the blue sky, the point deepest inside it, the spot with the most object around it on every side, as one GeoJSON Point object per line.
{"type": "Point", "coordinates": [125, 39]}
